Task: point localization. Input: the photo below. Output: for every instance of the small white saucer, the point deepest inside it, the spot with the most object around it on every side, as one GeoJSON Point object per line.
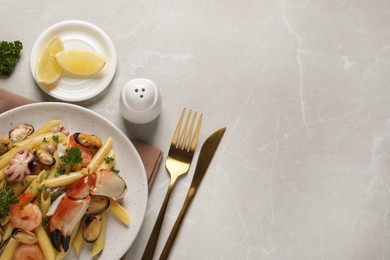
{"type": "Point", "coordinates": [78, 35]}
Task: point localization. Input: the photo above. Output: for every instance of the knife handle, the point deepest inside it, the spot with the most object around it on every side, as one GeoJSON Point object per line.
{"type": "Point", "coordinates": [176, 227]}
{"type": "Point", "coordinates": [152, 242]}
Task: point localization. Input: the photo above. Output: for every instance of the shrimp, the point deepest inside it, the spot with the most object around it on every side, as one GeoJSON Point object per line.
{"type": "Point", "coordinates": [24, 214]}
{"type": "Point", "coordinates": [28, 252]}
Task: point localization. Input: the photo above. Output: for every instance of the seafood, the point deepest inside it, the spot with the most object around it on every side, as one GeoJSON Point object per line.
{"type": "Point", "coordinates": [74, 205]}
{"type": "Point", "coordinates": [35, 167]}
{"type": "Point", "coordinates": [86, 152]}
{"type": "Point", "coordinates": [69, 212]}
{"type": "Point", "coordinates": [19, 166]}
{"type": "Point", "coordinates": [61, 128]}
{"type": "Point", "coordinates": [97, 205]}
{"type": "Point", "coordinates": [20, 132]}
{"type": "Point", "coordinates": [90, 141]}
{"type": "Point", "coordinates": [24, 214]}
{"type": "Point", "coordinates": [44, 157]}
{"type": "Point", "coordinates": [29, 252]}
{"type": "Point", "coordinates": [85, 199]}
{"type": "Point", "coordinates": [24, 236]}
{"type": "Point", "coordinates": [91, 228]}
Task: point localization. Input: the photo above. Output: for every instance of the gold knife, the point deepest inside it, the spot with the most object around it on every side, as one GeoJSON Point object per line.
{"type": "Point", "coordinates": [206, 154]}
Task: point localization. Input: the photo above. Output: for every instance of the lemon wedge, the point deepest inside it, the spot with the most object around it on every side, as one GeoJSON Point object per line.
{"type": "Point", "coordinates": [47, 70]}
{"type": "Point", "coordinates": [80, 62]}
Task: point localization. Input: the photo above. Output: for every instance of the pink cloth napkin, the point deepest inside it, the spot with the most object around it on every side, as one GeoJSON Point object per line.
{"type": "Point", "coordinates": [151, 156]}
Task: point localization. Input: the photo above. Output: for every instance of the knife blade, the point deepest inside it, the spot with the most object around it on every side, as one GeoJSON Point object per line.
{"type": "Point", "coordinates": [206, 154]}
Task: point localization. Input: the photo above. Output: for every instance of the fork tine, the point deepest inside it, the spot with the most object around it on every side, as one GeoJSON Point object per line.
{"type": "Point", "coordinates": [184, 130]}
{"type": "Point", "coordinates": [177, 130]}
{"type": "Point", "coordinates": [196, 135]}
{"type": "Point", "coordinates": [188, 139]}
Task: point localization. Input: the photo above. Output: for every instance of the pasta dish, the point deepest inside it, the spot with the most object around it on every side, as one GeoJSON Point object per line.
{"type": "Point", "coordinates": [56, 190]}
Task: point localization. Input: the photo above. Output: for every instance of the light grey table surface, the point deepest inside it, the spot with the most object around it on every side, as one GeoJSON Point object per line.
{"type": "Point", "coordinates": [303, 171]}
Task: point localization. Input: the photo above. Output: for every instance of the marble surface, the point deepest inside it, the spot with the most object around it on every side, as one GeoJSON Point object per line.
{"type": "Point", "coordinates": [303, 171]}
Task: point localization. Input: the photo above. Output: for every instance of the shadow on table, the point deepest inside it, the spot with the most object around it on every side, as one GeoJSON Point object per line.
{"type": "Point", "coordinates": [142, 132]}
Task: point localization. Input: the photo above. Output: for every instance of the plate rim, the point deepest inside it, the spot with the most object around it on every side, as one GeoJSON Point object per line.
{"type": "Point", "coordinates": [119, 131]}
{"type": "Point", "coordinates": [35, 50]}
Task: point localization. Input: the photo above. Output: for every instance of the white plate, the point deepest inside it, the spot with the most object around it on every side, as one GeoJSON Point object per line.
{"type": "Point", "coordinates": [78, 35]}
{"type": "Point", "coordinates": [119, 237]}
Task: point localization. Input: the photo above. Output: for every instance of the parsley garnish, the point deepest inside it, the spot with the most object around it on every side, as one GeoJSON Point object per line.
{"type": "Point", "coordinates": [59, 172]}
{"type": "Point", "coordinates": [108, 159]}
{"type": "Point", "coordinates": [7, 196]}
{"type": "Point", "coordinates": [72, 157]}
{"type": "Point", "coordinates": [45, 140]}
{"type": "Point", "coordinates": [9, 56]}
{"type": "Point", "coordinates": [56, 138]}
{"type": "Point", "coordinates": [45, 222]}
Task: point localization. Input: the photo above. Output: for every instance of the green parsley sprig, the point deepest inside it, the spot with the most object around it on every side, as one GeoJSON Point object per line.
{"type": "Point", "coordinates": [56, 138]}
{"type": "Point", "coordinates": [108, 159]}
{"type": "Point", "coordinates": [9, 56]}
{"type": "Point", "coordinates": [71, 158]}
{"type": "Point", "coordinates": [7, 196]}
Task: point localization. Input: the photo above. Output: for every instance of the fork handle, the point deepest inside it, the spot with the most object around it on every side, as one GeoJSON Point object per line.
{"type": "Point", "coordinates": [152, 242]}
{"type": "Point", "coordinates": [176, 227]}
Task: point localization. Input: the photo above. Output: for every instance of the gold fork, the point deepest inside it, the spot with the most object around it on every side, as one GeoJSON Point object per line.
{"type": "Point", "coordinates": [178, 163]}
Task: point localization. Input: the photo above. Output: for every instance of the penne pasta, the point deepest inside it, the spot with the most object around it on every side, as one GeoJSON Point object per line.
{"type": "Point", "coordinates": [46, 128]}
{"type": "Point", "coordinates": [8, 231]}
{"type": "Point", "coordinates": [20, 187]}
{"type": "Point", "coordinates": [54, 168]}
{"type": "Point", "coordinates": [45, 202]}
{"type": "Point", "coordinates": [4, 221]}
{"type": "Point", "coordinates": [100, 155]}
{"type": "Point", "coordinates": [63, 180]}
{"type": "Point", "coordinates": [9, 249]}
{"type": "Point", "coordinates": [36, 184]}
{"type": "Point", "coordinates": [107, 165]}
{"type": "Point", "coordinates": [45, 243]}
{"type": "Point", "coordinates": [98, 245]}
{"type": "Point", "coordinates": [2, 176]}
{"type": "Point", "coordinates": [79, 240]}
{"type": "Point", "coordinates": [43, 139]}
{"type": "Point", "coordinates": [119, 211]}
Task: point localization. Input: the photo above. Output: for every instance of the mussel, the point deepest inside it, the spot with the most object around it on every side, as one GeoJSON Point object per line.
{"type": "Point", "coordinates": [44, 157]}
{"type": "Point", "coordinates": [20, 132]}
{"type": "Point", "coordinates": [90, 141]}
{"type": "Point", "coordinates": [35, 167]}
{"type": "Point", "coordinates": [56, 192]}
{"type": "Point", "coordinates": [50, 149]}
{"type": "Point", "coordinates": [97, 205]}
{"type": "Point", "coordinates": [24, 236]}
{"type": "Point", "coordinates": [92, 227]}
